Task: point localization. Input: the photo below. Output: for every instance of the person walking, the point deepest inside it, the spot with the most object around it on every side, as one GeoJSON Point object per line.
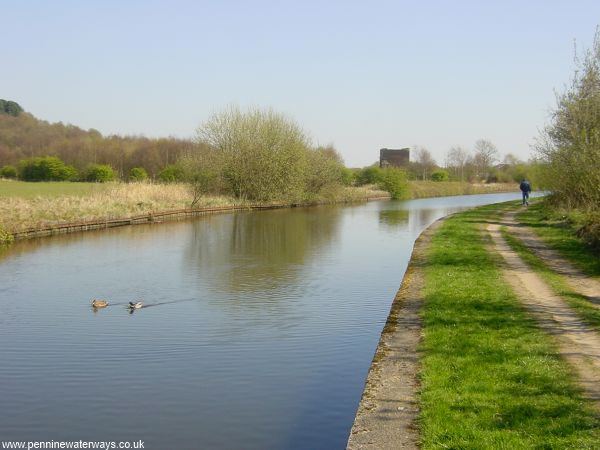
{"type": "Point", "coordinates": [525, 189]}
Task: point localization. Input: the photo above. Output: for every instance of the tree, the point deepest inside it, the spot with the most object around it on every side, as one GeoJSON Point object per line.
{"type": "Point", "coordinates": [570, 144]}
{"type": "Point", "coordinates": [48, 168]}
{"type": "Point", "coordinates": [457, 159]}
{"type": "Point", "coordinates": [10, 107]}
{"type": "Point", "coordinates": [486, 154]}
{"type": "Point", "coordinates": [171, 174]}
{"type": "Point", "coordinates": [138, 174]}
{"type": "Point", "coordinates": [393, 180]}
{"type": "Point", "coordinates": [99, 173]}
{"type": "Point", "coordinates": [8, 172]}
{"type": "Point", "coordinates": [439, 175]}
{"type": "Point", "coordinates": [424, 163]}
{"type": "Point", "coordinates": [263, 154]}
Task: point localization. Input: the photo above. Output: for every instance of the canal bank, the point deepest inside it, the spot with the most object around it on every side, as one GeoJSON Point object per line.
{"type": "Point", "coordinates": [466, 361]}
{"type": "Point", "coordinates": [387, 413]}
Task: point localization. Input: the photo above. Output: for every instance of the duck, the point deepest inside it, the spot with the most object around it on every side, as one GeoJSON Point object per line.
{"type": "Point", "coordinates": [136, 305]}
{"type": "Point", "coordinates": [99, 303]}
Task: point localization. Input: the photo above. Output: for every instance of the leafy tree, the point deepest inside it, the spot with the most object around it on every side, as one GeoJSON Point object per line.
{"type": "Point", "coordinates": [348, 176]}
{"type": "Point", "coordinates": [439, 175]}
{"type": "Point", "coordinates": [10, 107]}
{"type": "Point", "coordinates": [570, 144]}
{"type": "Point", "coordinates": [324, 168]}
{"type": "Point", "coordinates": [48, 168]}
{"type": "Point", "coordinates": [8, 172]}
{"type": "Point", "coordinates": [171, 174]}
{"type": "Point", "coordinates": [99, 173]}
{"type": "Point", "coordinates": [393, 180]}
{"type": "Point", "coordinates": [138, 174]}
{"type": "Point", "coordinates": [263, 154]}
{"type": "Point", "coordinates": [369, 175]}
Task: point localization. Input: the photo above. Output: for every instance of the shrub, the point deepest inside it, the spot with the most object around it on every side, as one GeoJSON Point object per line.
{"type": "Point", "coordinates": [171, 174]}
{"type": "Point", "coordinates": [348, 176]}
{"type": "Point", "coordinates": [5, 237]}
{"type": "Point", "coordinates": [439, 175]}
{"type": "Point", "coordinates": [99, 173]}
{"type": "Point", "coordinates": [138, 174]}
{"type": "Point", "coordinates": [369, 175]}
{"type": "Point", "coordinates": [262, 154]}
{"type": "Point", "coordinates": [8, 172]}
{"type": "Point", "coordinates": [394, 181]}
{"type": "Point", "coordinates": [48, 168]}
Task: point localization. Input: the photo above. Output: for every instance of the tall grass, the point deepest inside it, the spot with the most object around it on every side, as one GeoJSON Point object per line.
{"type": "Point", "coordinates": [426, 189]}
{"type": "Point", "coordinates": [105, 202]}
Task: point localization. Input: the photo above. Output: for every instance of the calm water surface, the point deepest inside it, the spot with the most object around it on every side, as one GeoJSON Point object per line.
{"type": "Point", "coordinates": [258, 330]}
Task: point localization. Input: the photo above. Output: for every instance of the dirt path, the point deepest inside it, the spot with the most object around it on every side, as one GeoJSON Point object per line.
{"type": "Point", "coordinates": [577, 343]}
{"type": "Point", "coordinates": [388, 408]}
{"type": "Point", "coordinates": [578, 281]}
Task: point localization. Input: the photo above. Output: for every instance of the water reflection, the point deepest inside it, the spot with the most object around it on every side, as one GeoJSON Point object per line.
{"type": "Point", "coordinates": [260, 251]}
{"type": "Point", "coordinates": [394, 218]}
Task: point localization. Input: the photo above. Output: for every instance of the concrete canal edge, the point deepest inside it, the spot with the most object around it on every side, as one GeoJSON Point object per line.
{"type": "Point", "coordinates": [388, 410]}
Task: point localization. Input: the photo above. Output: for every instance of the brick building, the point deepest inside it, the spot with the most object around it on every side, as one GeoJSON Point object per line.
{"type": "Point", "coordinates": [394, 158]}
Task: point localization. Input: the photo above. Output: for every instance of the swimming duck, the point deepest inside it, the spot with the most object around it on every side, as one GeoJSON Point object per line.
{"type": "Point", "coordinates": [99, 303]}
{"type": "Point", "coordinates": [136, 305]}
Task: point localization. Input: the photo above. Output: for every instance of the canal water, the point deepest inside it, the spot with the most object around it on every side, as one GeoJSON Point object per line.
{"type": "Point", "coordinates": [258, 328]}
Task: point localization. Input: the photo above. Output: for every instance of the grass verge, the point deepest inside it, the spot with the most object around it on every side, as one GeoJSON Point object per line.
{"type": "Point", "coordinates": [490, 378]}
{"type": "Point", "coordinates": [556, 232]}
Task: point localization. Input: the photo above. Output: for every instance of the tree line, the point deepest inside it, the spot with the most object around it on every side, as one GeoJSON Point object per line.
{"type": "Point", "coordinates": [23, 136]}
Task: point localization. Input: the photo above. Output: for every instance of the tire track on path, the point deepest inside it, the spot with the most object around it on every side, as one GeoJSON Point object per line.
{"type": "Point", "coordinates": [577, 343]}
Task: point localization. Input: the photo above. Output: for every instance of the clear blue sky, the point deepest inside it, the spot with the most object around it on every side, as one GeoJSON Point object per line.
{"type": "Point", "coordinates": [361, 75]}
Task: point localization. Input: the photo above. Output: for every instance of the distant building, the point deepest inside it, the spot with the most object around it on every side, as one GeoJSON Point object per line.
{"type": "Point", "coordinates": [389, 157]}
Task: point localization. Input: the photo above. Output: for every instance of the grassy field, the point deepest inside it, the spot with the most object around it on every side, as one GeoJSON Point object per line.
{"type": "Point", "coordinates": [490, 378]}
{"type": "Point", "coordinates": [22, 189]}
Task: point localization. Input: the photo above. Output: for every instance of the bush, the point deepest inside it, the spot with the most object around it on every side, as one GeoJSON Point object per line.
{"type": "Point", "coordinates": [8, 172]}
{"type": "Point", "coordinates": [138, 174]}
{"type": "Point", "coordinates": [262, 154]}
{"type": "Point", "coordinates": [347, 176]}
{"type": "Point", "coordinates": [48, 168]}
{"type": "Point", "coordinates": [5, 237]}
{"type": "Point", "coordinates": [369, 175]}
{"type": "Point", "coordinates": [171, 174]}
{"type": "Point", "coordinates": [439, 175]}
{"type": "Point", "coordinates": [394, 181]}
{"type": "Point", "coordinates": [99, 173]}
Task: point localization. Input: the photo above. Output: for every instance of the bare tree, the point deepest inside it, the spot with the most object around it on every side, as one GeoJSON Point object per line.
{"type": "Point", "coordinates": [457, 158]}
{"type": "Point", "coordinates": [424, 163]}
{"type": "Point", "coordinates": [486, 154]}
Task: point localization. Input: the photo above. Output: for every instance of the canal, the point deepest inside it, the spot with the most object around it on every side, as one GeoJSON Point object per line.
{"type": "Point", "coordinates": [257, 332]}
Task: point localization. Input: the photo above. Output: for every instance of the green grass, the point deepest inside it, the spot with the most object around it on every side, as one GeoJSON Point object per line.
{"type": "Point", "coordinates": [557, 233]}
{"type": "Point", "coordinates": [490, 378]}
{"type": "Point", "coordinates": [27, 190]}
